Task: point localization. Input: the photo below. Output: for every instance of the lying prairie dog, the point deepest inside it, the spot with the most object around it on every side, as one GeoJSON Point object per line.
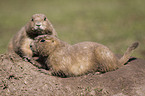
{"type": "Point", "coordinates": [64, 59]}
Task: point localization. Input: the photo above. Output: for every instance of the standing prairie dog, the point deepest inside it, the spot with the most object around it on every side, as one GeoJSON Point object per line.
{"type": "Point", "coordinates": [78, 59]}
{"type": "Point", "coordinates": [37, 25]}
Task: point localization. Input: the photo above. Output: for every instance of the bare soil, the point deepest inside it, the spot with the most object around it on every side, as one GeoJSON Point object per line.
{"type": "Point", "coordinates": [18, 77]}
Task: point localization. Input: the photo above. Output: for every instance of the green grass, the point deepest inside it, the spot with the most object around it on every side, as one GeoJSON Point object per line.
{"type": "Point", "coordinates": [114, 23]}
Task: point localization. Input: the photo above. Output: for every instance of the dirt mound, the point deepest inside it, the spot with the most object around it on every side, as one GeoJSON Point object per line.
{"type": "Point", "coordinates": [18, 77]}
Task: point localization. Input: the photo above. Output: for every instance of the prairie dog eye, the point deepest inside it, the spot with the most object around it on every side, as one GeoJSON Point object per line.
{"type": "Point", "coordinates": [32, 19]}
{"type": "Point", "coordinates": [42, 40]}
{"type": "Point", "coordinates": [53, 41]}
{"type": "Point", "coordinates": [45, 19]}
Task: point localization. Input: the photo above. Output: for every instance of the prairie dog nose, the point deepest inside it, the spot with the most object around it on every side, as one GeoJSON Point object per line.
{"type": "Point", "coordinates": [38, 24]}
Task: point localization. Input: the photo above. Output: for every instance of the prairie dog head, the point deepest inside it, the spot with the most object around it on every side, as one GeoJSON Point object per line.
{"type": "Point", "coordinates": [44, 45]}
{"type": "Point", "coordinates": [39, 25]}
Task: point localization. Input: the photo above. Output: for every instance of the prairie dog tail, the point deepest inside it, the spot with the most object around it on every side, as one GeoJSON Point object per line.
{"type": "Point", "coordinates": [128, 53]}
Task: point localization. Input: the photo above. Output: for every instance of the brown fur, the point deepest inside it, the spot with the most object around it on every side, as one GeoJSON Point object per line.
{"type": "Point", "coordinates": [38, 25]}
{"type": "Point", "coordinates": [78, 59]}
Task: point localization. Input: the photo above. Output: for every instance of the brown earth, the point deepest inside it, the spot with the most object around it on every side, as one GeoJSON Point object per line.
{"type": "Point", "coordinates": [18, 77]}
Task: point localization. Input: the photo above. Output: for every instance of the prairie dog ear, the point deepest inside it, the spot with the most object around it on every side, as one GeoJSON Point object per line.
{"type": "Point", "coordinates": [51, 40]}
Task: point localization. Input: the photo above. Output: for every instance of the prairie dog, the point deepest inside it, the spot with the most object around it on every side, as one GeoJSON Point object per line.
{"type": "Point", "coordinates": [37, 25]}
{"type": "Point", "coordinates": [78, 59]}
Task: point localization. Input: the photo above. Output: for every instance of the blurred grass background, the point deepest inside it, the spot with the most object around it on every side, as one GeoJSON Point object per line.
{"type": "Point", "coordinates": [114, 23]}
